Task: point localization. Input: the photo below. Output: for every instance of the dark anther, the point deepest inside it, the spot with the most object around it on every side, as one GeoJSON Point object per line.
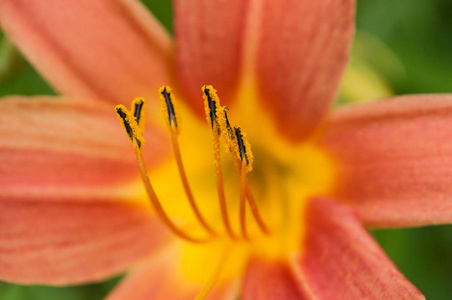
{"type": "Point", "coordinates": [212, 108]}
{"type": "Point", "coordinates": [228, 125]}
{"type": "Point", "coordinates": [241, 144]}
{"type": "Point", "coordinates": [127, 125]}
{"type": "Point", "coordinates": [169, 105]}
{"type": "Point", "coordinates": [138, 107]}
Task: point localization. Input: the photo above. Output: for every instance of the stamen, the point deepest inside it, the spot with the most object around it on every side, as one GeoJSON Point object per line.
{"type": "Point", "coordinates": [136, 136]}
{"type": "Point", "coordinates": [167, 102]}
{"type": "Point", "coordinates": [255, 210]}
{"type": "Point", "coordinates": [244, 169]}
{"type": "Point", "coordinates": [240, 148]}
{"type": "Point", "coordinates": [242, 203]}
{"type": "Point", "coordinates": [220, 187]}
{"type": "Point", "coordinates": [133, 123]}
{"type": "Point", "coordinates": [211, 105]}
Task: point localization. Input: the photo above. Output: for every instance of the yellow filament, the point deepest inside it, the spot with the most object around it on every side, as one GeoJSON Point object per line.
{"type": "Point", "coordinates": [183, 175]}
{"type": "Point", "coordinates": [156, 203]}
{"type": "Point", "coordinates": [255, 210]}
{"type": "Point", "coordinates": [220, 187]}
{"type": "Point", "coordinates": [251, 200]}
{"type": "Point", "coordinates": [242, 203]}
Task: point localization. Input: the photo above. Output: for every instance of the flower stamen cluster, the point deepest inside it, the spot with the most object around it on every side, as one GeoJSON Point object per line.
{"type": "Point", "coordinates": [235, 143]}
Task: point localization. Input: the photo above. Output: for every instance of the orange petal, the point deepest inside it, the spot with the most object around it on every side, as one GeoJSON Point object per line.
{"type": "Point", "coordinates": [63, 162]}
{"type": "Point", "coordinates": [395, 159]}
{"type": "Point", "coordinates": [52, 147]}
{"type": "Point", "coordinates": [160, 278]}
{"type": "Point", "coordinates": [72, 241]}
{"type": "Point", "coordinates": [209, 38]}
{"type": "Point", "coordinates": [267, 280]}
{"type": "Point", "coordinates": [301, 55]}
{"type": "Point", "coordinates": [340, 260]}
{"type": "Point", "coordinates": [112, 50]}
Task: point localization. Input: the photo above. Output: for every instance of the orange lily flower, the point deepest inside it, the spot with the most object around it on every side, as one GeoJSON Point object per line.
{"type": "Point", "coordinates": [73, 206]}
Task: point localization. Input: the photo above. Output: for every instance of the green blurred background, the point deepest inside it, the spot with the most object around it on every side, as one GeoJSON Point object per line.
{"type": "Point", "coordinates": [401, 47]}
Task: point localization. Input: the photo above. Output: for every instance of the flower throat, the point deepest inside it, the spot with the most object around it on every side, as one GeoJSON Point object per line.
{"type": "Point", "coordinates": [235, 142]}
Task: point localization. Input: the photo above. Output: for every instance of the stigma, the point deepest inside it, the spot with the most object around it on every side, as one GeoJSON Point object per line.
{"type": "Point", "coordinates": [235, 142]}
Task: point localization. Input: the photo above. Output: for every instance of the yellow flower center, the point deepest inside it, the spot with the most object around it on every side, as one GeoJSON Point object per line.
{"type": "Point", "coordinates": [226, 231]}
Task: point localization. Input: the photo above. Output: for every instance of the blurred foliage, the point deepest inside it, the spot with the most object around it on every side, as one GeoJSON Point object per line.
{"type": "Point", "coordinates": [402, 47]}
{"type": "Point", "coordinates": [162, 10]}
{"type": "Point", "coordinates": [86, 292]}
{"type": "Point", "coordinates": [420, 35]}
{"type": "Point", "coordinates": [423, 255]}
{"type": "Point", "coordinates": [16, 74]}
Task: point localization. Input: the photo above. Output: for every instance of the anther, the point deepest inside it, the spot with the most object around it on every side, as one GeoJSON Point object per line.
{"type": "Point", "coordinates": [211, 106]}
{"type": "Point", "coordinates": [138, 111]}
{"type": "Point", "coordinates": [130, 125]}
{"type": "Point", "coordinates": [241, 148]}
{"type": "Point", "coordinates": [241, 145]}
{"type": "Point", "coordinates": [226, 121]}
{"type": "Point", "coordinates": [168, 108]}
{"type": "Point", "coordinates": [225, 128]}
